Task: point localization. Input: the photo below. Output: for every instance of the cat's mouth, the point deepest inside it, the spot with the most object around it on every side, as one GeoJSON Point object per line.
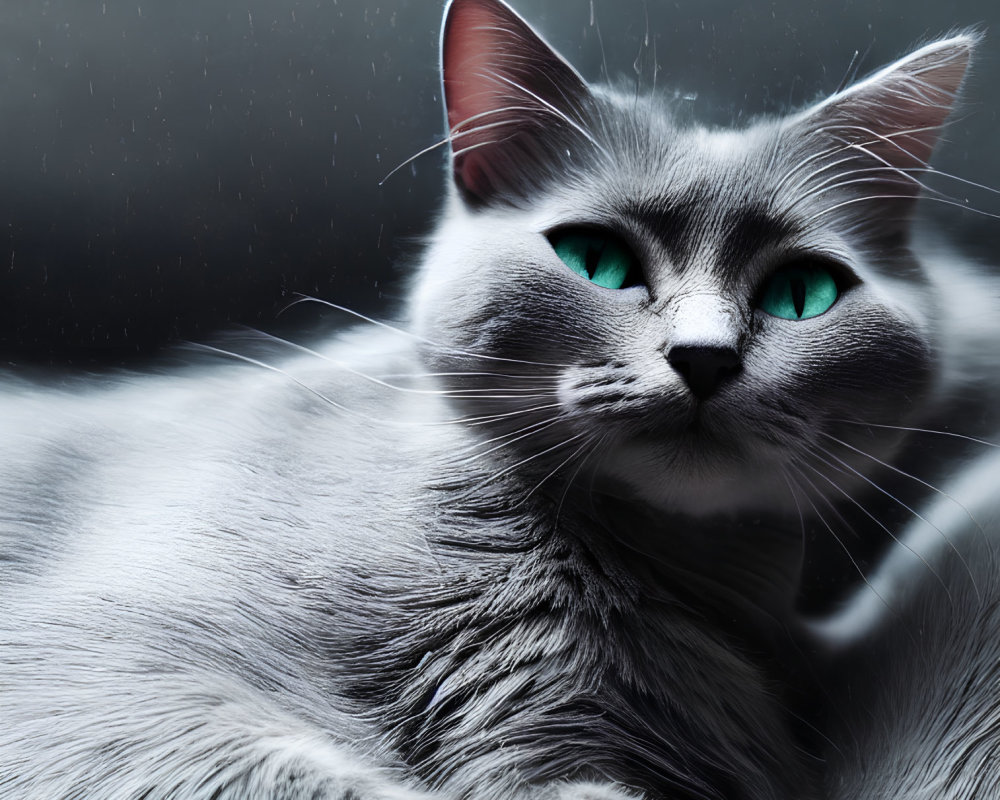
{"type": "Point", "coordinates": [679, 451]}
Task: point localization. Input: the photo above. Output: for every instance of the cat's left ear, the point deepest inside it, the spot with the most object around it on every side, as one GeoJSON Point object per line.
{"type": "Point", "coordinates": [896, 115]}
{"type": "Point", "coordinates": [514, 104]}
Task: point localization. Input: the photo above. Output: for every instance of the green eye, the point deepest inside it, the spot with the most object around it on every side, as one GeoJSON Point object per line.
{"type": "Point", "coordinates": [799, 292]}
{"type": "Point", "coordinates": [601, 258]}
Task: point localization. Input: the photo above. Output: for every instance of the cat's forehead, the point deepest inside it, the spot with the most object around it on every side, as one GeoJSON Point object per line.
{"type": "Point", "coordinates": [699, 169]}
{"type": "Point", "coordinates": [701, 197]}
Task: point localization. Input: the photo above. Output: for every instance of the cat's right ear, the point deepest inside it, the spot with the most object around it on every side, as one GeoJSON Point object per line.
{"type": "Point", "coordinates": [514, 104]}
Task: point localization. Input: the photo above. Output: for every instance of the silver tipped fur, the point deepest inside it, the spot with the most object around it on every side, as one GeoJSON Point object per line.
{"type": "Point", "coordinates": [543, 541]}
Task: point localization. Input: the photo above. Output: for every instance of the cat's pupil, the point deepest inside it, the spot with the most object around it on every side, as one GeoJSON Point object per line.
{"type": "Point", "coordinates": [800, 291]}
{"type": "Point", "coordinates": [594, 252]}
{"type": "Point", "coordinates": [798, 287]}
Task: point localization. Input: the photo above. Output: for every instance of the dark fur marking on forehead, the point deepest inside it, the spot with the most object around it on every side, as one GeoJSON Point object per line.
{"type": "Point", "coordinates": [745, 232]}
{"type": "Point", "coordinates": [683, 224]}
{"type": "Point", "coordinates": [671, 220]}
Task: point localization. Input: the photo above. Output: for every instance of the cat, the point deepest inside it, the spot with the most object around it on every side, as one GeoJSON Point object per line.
{"type": "Point", "coordinates": [545, 539]}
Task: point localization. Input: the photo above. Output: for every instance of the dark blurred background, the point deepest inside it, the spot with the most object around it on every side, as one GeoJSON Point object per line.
{"type": "Point", "coordinates": [170, 169]}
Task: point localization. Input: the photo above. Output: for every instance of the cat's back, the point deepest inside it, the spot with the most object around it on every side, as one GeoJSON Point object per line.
{"type": "Point", "coordinates": [160, 488]}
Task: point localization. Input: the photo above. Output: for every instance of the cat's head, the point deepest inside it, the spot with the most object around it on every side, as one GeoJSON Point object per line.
{"type": "Point", "coordinates": [697, 318]}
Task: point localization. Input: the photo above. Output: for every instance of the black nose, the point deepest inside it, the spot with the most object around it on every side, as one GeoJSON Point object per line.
{"type": "Point", "coordinates": [704, 368]}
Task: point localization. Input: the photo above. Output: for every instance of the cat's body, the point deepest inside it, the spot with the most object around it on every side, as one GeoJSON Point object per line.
{"type": "Point", "coordinates": [437, 622]}
{"type": "Point", "coordinates": [546, 543]}
{"type": "Point", "coordinates": [913, 709]}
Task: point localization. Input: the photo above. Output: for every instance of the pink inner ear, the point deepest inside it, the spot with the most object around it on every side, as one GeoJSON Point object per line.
{"type": "Point", "coordinates": [508, 95]}
{"type": "Point", "coordinates": [897, 113]}
{"type": "Point", "coordinates": [471, 46]}
{"type": "Point", "coordinates": [913, 113]}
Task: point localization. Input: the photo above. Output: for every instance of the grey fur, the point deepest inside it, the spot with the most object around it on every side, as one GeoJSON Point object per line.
{"type": "Point", "coordinates": [915, 697]}
{"type": "Point", "coordinates": [504, 553]}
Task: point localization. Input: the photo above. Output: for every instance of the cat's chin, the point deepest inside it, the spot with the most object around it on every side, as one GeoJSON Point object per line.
{"type": "Point", "coordinates": [698, 482]}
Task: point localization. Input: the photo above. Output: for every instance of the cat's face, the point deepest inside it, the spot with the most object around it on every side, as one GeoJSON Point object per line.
{"type": "Point", "coordinates": [697, 318]}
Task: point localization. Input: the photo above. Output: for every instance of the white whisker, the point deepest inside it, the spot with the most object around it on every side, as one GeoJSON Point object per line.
{"type": "Point", "coordinates": [547, 106]}
{"type": "Point", "coordinates": [469, 393]}
{"type": "Point", "coordinates": [886, 138]}
{"type": "Point", "coordinates": [866, 198]}
{"type": "Point", "coordinates": [488, 418]}
{"type": "Point", "coordinates": [847, 178]}
{"type": "Point", "coordinates": [541, 379]}
{"type": "Point", "coordinates": [791, 173]}
{"type": "Point", "coordinates": [596, 443]}
{"type": "Point", "coordinates": [483, 419]}
{"type": "Point", "coordinates": [806, 180]}
{"type": "Point", "coordinates": [455, 133]}
{"type": "Point", "coordinates": [422, 339]}
{"type": "Point", "coordinates": [905, 429]}
{"type": "Point", "coordinates": [271, 368]}
{"type": "Point", "coordinates": [905, 173]}
{"type": "Point", "coordinates": [505, 440]}
{"type": "Point", "coordinates": [798, 509]}
{"type": "Point", "coordinates": [574, 454]}
{"type": "Point", "coordinates": [513, 467]}
{"type": "Point", "coordinates": [908, 508]}
{"type": "Point", "coordinates": [905, 474]}
{"type": "Point", "coordinates": [836, 538]}
{"type": "Point", "coordinates": [470, 147]}
{"type": "Point", "coordinates": [878, 522]}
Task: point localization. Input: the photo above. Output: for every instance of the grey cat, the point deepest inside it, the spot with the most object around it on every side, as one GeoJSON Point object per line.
{"type": "Point", "coordinates": [544, 540]}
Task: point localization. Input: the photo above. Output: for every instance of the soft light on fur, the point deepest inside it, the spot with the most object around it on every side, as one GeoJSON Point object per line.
{"type": "Point", "coordinates": [509, 552]}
